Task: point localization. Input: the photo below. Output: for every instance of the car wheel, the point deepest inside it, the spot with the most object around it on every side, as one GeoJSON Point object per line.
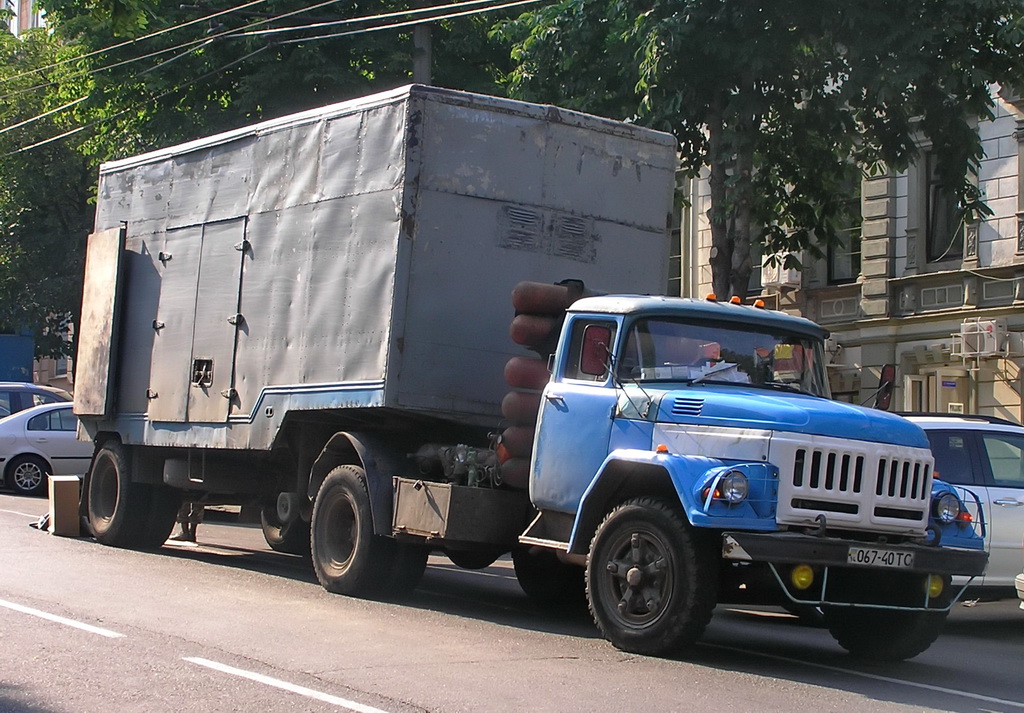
{"type": "Point", "coordinates": [27, 475]}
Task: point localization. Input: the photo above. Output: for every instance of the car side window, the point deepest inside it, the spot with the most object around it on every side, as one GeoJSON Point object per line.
{"type": "Point", "coordinates": [951, 450]}
{"type": "Point", "coordinates": [40, 399]}
{"type": "Point", "coordinates": [6, 407]}
{"type": "Point", "coordinates": [1005, 455]}
{"type": "Point", "coordinates": [68, 420]}
{"type": "Point", "coordinates": [40, 422]}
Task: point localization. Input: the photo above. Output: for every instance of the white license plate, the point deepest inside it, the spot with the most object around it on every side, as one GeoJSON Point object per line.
{"type": "Point", "coordinates": [879, 557]}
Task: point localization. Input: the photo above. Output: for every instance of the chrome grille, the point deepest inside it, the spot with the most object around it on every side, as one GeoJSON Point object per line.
{"type": "Point", "coordinates": [853, 484]}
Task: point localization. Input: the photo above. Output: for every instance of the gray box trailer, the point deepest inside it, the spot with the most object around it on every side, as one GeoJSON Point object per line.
{"type": "Point", "coordinates": [311, 315]}
{"type": "Point", "coordinates": [354, 259]}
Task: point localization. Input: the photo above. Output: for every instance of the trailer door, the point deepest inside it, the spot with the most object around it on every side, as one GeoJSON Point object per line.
{"type": "Point", "coordinates": [197, 318]}
{"type": "Point", "coordinates": [217, 321]}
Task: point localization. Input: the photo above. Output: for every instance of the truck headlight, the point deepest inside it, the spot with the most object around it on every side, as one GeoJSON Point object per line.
{"type": "Point", "coordinates": [733, 487]}
{"type": "Point", "coordinates": [946, 508]}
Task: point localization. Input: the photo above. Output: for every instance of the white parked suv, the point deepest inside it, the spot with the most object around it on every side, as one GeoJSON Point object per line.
{"type": "Point", "coordinates": [986, 455]}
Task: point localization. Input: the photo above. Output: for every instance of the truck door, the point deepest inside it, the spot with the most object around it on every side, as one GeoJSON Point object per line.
{"type": "Point", "coordinates": [178, 268]}
{"type": "Point", "coordinates": [575, 422]}
{"type": "Point", "coordinates": [193, 350]}
{"type": "Point", "coordinates": [217, 321]}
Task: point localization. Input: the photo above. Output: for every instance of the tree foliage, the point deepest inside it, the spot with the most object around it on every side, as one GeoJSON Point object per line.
{"type": "Point", "coordinates": [44, 207]}
{"type": "Point", "coordinates": [126, 76]}
{"type": "Point", "coordinates": [204, 76]}
{"type": "Point", "coordinates": [782, 102]}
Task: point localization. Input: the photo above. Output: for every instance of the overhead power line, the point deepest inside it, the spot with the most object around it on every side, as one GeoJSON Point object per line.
{"type": "Point", "coordinates": [247, 32]}
{"type": "Point", "coordinates": [411, 12]}
{"type": "Point", "coordinates": [135, 106]}
{"type": "Point", "coordinates": [409, 23]}
{"type": "Point", "coordinates": [132, 41]}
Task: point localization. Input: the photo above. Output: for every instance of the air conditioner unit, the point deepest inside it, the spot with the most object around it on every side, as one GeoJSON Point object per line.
{"type": "Point", "coordinates": [981, 338]}
{"type": "Point", "coordinates": [778, 276]}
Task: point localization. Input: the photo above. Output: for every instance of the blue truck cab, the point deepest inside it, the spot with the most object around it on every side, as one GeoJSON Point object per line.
{"type": "Point", "coordinates": [688, 451]}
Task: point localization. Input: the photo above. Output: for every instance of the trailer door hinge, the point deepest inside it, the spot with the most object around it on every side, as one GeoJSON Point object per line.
{"type": "Point", "coordinates": [158, 325]}
{"type": "Point", "coordinates": [150, 394]}
{"type": "Point", "coordinates": [244, 246]}
{"type": "Point", "coordinates": [163, 257]}
{"type": "Point", "coordinates": [229, 393]}
{"type": "Point", "coordinates": [236, 319]}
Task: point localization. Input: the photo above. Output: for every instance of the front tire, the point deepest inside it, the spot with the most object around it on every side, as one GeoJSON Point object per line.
{"type": "Point", "coordinates": [28, 475]}
{"type": "Point", "coordinates": [883, 635]}
{"type": "Point", "coordinates": [347, 556]}
{"type": "Point", "coordinates": [650, 583]}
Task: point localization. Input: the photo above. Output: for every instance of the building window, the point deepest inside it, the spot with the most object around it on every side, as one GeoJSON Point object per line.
{"type": "Point", "coordinates": [944, 229]}
{"type": "Point", "coordinates": [755, 285]}
{"type": "Point", "coordinates": [844, 254]}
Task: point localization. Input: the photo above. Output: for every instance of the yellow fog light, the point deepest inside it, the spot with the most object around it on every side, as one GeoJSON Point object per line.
{"type": "Point", "coordinates": [935, 585]}
{"type": "Point", "coordinates": [802, 577]}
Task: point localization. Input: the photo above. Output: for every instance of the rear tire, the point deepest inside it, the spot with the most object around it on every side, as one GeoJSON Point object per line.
{"type": "Point", "coordinates": [291, 538]}
{"type": "Point", "coordinates": [122, 513]}
{"type": "Point", "coordinates": [545, 578]}
{"type": "Point", "coordinates": [474, 559]}
{"type": "Point", "coordinates": [883, 635]}
{"type": "Point", "coordinates": [650, 582]}
{"type": "Point", "coordinates": [409, 565]}
{"type": "Point", "coordinates": [348, 557]}
{"type": "Point", "coordinates": [28, 475]}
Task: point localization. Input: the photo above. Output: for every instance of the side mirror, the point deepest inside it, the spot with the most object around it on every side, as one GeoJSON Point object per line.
{"type": "Point", "coordinates": [886, 385]}
{"type": "Point", "coordinates": [595, 350]}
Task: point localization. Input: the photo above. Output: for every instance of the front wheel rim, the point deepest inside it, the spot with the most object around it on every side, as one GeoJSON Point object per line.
{"type": "Point", "coordinates": [636, 578]}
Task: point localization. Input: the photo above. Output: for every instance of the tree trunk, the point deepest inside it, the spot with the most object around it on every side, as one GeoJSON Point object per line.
{"type": "Point", "coordinates": [721, 241]}
{"type": "Point", "coordinates": [740, 266]}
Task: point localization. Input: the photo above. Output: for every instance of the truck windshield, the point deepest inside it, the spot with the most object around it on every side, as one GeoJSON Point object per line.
{"type": "Point", "coordinates": [665, 349]}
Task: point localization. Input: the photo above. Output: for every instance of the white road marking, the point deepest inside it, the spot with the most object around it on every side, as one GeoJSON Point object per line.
{"type": "Point", "coordinates": [22, 514]}
{"type": "Point", "coordinates": [61, 620]}
{"type": "Point", "coordinates": [875, 677]}
{"type": "Point", "coordinates": [285, 686]}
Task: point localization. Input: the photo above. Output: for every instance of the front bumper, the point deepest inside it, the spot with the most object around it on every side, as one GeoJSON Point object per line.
{"type": "Point", "coordinates": [905, 577]}
{"type": "Point", "coordinates": [793, 548]}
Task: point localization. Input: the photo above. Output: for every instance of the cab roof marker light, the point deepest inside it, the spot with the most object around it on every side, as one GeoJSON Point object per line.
{"type": "Point", "coordinates": [711, 297]}
{"type": "Point", "coordinates": [662, 448]}
{"type": "Point", "coordinates": [759, 303]}
{"type": "Point", "coordinates": [735, 300]}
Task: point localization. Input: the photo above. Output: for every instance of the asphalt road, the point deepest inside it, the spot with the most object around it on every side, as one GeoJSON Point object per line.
{"type": "Point", "coordinates": [228, 625]}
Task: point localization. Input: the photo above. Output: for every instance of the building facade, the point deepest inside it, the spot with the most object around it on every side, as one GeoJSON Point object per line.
{"type": "Point", "coordinates": [25, 16]}
{"type": "Point", "coordinates": [912, 286]}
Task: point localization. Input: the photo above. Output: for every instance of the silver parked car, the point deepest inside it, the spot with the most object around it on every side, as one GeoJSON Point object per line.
{"type": "Point", "coordinates": [17, 396]}
{"type": "Point", "coordinates": [986, 455]}
{"type": "Point", "coordinates": [38, 442]}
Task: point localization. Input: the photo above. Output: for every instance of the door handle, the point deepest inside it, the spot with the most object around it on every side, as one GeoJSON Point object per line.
{"type": "Point", "coordinates": [555, 398]}
{"type": "Point", "coordinates": [1008, 502]}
